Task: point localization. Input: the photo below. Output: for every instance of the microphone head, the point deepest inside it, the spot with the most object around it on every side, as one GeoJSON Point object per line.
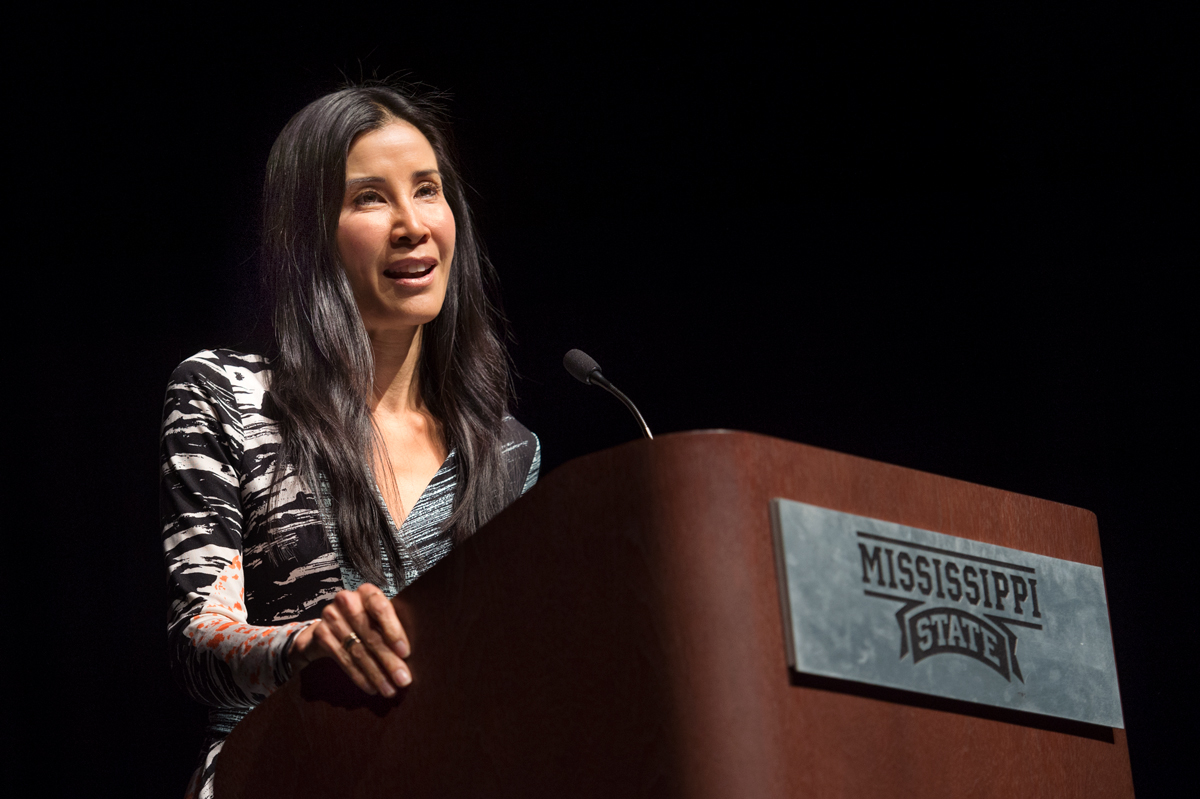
{"type": "Point", "coordinates": [580, 365]}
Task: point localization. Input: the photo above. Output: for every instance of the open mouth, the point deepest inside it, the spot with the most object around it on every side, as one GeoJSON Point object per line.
{"type": "Point", "coordinates": [408, 271]}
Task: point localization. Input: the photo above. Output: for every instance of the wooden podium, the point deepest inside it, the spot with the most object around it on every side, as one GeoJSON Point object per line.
{"type": "Point", "coordinates": [617, 633]}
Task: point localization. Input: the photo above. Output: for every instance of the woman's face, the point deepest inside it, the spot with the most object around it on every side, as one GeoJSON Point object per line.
{"type": "Point", "coordinates": [395, 233]}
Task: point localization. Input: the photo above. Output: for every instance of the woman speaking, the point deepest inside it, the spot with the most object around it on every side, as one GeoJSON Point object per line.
{"type": "Point", "coordinates": [300, 491]}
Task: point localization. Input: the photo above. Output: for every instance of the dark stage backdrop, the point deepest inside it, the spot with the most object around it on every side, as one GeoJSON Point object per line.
{"type": "Point", "coordinates": [954, 242]}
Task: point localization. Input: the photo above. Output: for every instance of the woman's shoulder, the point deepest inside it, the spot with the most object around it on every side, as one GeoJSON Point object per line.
{"type": "Point", "coordinates": [522, 452]}
{"type": "Point", "coordinates": [235, 381]}
{"type": "Point", "coordinates": [230, 364]}
{"type": "Point", "coordinates": [227, 369]}
{"type": "Point", "coordinates": [517, 435]}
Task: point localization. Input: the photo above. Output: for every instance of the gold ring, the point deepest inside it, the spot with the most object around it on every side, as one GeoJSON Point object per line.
{"type": "Point", "coordinates": [350, 641]}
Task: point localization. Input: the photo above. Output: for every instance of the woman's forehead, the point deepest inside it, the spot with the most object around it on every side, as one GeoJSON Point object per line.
{"type": "Point", "coordinates": [396, 139]}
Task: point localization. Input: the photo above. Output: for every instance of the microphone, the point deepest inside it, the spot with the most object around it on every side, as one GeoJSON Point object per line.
{"type": "Point", "coordinates": [584, 369]}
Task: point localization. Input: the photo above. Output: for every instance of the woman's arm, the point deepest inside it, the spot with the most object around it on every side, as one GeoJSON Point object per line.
{"type": "Point", "coordinates": [216, 656]}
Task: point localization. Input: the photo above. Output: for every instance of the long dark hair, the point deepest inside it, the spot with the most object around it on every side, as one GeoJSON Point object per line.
{"type": "Point", "coordinates": [323, 370]}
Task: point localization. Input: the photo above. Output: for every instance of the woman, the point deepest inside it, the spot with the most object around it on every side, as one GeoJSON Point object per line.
{"type": "Point", "coordinates": [300, 492]}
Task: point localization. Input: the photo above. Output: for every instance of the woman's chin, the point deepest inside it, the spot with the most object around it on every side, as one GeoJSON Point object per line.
{"type": "Point", "coordinates": [396, 321]}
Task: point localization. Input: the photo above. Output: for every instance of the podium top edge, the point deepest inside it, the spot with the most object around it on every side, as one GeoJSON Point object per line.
{"type": "Point", "coordinates": [672, 438]}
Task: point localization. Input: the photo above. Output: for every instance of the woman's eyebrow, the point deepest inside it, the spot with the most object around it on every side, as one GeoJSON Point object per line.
{"type": "Point", "coordinates": [423, 173]}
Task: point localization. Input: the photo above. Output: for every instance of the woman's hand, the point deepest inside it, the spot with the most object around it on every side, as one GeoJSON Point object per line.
{"type": "Point", "coordinates": [360, 630]}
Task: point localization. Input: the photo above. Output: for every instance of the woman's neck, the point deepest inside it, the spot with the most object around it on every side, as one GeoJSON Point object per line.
{"type": "Point", "coordinates": [412, 448]}
{"type": "Point", "coordinates": [396, 353]}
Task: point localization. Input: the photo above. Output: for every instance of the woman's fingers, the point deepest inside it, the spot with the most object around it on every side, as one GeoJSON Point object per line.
{"type": "Point", "coordinates": [383, 613]}
{"type": "Point", "coordinates": [371, 617]}
{"type": "Point", "coordinates": [370, 668]}
{"type": "Point", "coordinates": [332, 634]}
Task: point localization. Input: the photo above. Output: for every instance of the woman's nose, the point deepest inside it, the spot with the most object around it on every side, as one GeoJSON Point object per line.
{"type": "Point", "coordinates": [408, 226]}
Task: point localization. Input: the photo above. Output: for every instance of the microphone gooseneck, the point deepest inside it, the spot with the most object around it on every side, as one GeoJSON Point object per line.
{"type": "Point", "coordinates": [585, 369]}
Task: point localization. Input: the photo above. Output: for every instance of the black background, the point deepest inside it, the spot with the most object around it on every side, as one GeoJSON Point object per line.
{"type": "Point", "coordinates": [954, 241]}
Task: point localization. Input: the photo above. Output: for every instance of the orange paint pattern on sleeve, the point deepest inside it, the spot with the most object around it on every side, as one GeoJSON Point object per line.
{"type": "Point", "coordinates": [251, 652]}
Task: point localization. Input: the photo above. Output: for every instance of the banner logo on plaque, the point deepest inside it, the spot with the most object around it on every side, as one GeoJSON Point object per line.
{"type": "Point", "coordinates": [915, 576]}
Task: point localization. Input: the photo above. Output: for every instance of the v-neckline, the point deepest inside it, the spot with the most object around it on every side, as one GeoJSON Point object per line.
{"type": "Point", "coordinates": [398, 529]}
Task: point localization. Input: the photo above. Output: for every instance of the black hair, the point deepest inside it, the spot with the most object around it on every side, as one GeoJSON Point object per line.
{"type": "Point", "coordinates": [323, 370]}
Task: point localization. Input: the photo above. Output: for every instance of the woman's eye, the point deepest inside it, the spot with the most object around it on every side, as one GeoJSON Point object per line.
{"type": "Point", "coordinates": [428, 190]}
{"type": "Point", "coordinates": [368, 198]}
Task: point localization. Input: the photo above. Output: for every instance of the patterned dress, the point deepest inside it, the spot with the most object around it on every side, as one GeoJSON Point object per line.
{"type": "Point", "coordinates": [246, 574]}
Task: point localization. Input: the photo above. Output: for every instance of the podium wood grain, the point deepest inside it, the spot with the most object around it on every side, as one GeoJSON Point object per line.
{"type": "Point", "coordinates": [617, 633]}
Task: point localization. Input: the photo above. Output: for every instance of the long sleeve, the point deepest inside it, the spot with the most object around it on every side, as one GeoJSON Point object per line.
{"type": "Point", "coordinates": [217, 657]}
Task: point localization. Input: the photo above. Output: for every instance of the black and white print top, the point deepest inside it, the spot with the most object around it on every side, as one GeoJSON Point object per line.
{"type": "Point", "coordinates": [245, 574]}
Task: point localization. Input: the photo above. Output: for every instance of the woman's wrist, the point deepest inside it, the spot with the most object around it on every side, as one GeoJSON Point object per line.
{"type": "Point", "coordinates": [297, 654]}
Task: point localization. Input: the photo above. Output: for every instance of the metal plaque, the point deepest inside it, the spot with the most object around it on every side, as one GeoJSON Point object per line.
{"type": "Point", "coordinates": [884, 604]}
